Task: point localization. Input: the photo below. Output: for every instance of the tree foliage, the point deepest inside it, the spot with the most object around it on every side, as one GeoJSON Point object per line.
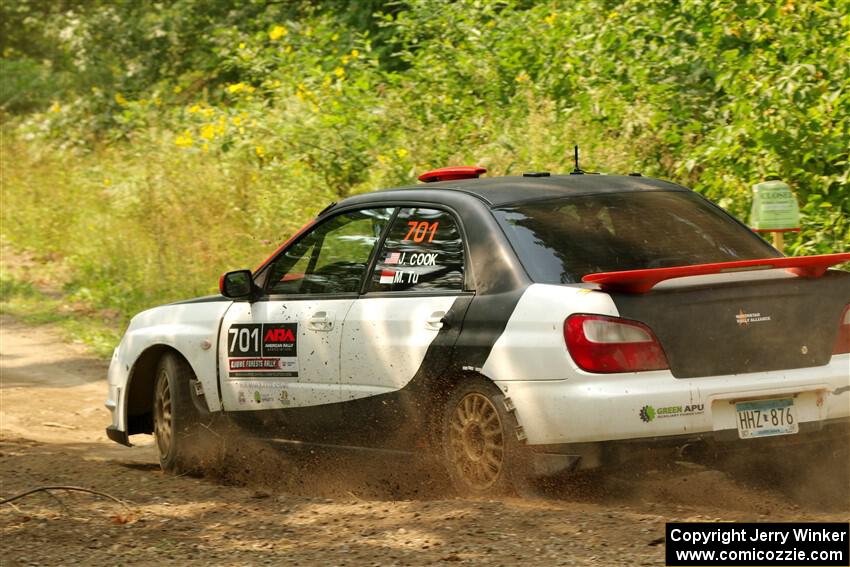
{"type": "Point", "coordinates": [325, 98]}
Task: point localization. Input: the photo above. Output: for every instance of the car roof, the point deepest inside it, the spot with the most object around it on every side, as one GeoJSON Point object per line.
{"type": "Point", "coordinates": [503, 191]}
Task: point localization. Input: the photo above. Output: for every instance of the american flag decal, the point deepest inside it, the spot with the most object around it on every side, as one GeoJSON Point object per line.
{"type": "Point", "coordinates": [392, 258]}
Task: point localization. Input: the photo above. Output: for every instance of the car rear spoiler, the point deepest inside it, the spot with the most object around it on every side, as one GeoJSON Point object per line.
{"type": "Point", "coordinates": [641, 281]}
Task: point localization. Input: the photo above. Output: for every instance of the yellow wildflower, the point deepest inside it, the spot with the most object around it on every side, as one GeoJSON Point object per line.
{"type": "Point", "coordinates": [355, 53]}
{"type": "Point", "coordinates": [522, 77]}
{"type": "Point", "coordinates": [178, 89]}
{"type": "Point", "coordinates": [205, 147]}
{"type": "Point", "coordinates": [184, 140]}
{"type": "Point", "coordinates": [250, 89]}
{"type": "Point", "coordinates": [208, 112]}
{"type": "Point", "coordinates": [335, 37]}
{"type": "Point", "coordinates": [194, 108]}
{"type": "Point", "coordinates": [345, 59]}
{"type": "Point", "coordinates": [208, 132]}
{"type": "Point", "coordinates": [55, 107]}
{"type": "Point", "coordinates": [242, 45]}
{"type": "Point", "coordinates": [327, 82]}
{"type": "Point", "coordinates": [339, 72]}
{"type": "Point", "coordinates": [277, 33]}
{"type": "Point", "coordinates": [276, 84]}
{"type": "Point", "coordinates": [119, 98]}
{"type": "Point", "coordinates": [550, 19]}
{"type": "Point", "coordinates": [260, 151]}
{"type": "Point", "coordinates": [107, 182]}
{"type": "Point", "coordinates": [237, 120]}
{"type": "Point", "coordinates": [236, 88]}
{"type": "Point", "coordinates": [613, 14]}
{"type": "Point", "coordinates": [401, 153]}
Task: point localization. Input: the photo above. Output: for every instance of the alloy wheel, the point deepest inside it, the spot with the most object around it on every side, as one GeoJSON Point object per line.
{"type": "Point", "coordinates": [477, 442]}
{"type": "Point", "coordinates": [162, 417]}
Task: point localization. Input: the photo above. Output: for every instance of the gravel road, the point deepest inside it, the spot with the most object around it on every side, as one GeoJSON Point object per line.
{"type": "Point", "coordinates": [271, 508]}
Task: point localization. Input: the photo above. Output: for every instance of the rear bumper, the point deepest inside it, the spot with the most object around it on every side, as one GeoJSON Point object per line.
{"type": "Point", "coordinates": [653, 405]}
{"type": "Point", "coordinates": [554, 459]}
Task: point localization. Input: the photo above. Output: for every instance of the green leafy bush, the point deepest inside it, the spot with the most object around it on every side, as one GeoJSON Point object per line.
{"type": "Point", "coordinates": [208, 130]}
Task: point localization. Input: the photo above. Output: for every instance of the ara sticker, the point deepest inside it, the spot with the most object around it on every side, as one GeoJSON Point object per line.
{"type": "Point", "coordinates": [280, 339]}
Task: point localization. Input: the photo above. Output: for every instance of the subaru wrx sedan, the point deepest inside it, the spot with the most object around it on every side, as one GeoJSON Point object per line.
{"type": "Point", "coordinates": [512, 327]}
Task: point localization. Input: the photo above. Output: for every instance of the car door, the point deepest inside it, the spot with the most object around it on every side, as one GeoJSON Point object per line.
{"type": "Point", "coordinates": [401, 331]}
{"type": "Point", "coordinates": [281, 352]}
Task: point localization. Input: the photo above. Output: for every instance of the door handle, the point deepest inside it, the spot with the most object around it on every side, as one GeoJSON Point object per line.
{"type": "Point", "coordinates": [436, 321]}
{"type": "Point", "coordinates": [320, 322]}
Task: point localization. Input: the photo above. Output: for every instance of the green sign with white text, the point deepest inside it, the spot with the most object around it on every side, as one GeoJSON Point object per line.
{"type": "Point", "coordinates": [774, 207]}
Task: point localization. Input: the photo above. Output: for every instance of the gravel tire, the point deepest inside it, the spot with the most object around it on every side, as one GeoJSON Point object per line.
{"type": "Point", "coordinates": [175, 417]}
{"type": "Point", "coordinates": [482, 454]}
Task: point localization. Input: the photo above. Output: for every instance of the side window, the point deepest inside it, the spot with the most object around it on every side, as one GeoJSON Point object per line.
{"type": "Point", "coordinates": [423, 252]}
{"type": "Point", "coordinates": [332, 258]}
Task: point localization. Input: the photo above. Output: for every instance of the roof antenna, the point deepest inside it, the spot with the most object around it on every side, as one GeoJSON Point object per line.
{"type": "Point", "coordinates": [577, 170]}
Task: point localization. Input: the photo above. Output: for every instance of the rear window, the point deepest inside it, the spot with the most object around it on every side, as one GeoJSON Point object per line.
{"type": "Point", "coordinates": [561, 240]}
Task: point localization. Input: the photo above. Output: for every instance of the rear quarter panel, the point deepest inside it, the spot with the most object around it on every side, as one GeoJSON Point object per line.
{"type": "Point", "coordinates": [532, 346]}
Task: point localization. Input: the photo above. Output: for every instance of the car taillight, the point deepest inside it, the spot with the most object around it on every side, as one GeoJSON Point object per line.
{"type": "Point", "coordinates": [609, 344]}
{"type": "Point", "coordinates": [842, 341]}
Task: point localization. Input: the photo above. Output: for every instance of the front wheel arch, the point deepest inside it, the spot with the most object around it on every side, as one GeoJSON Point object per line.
{"type": "Point", "coordinates": [140, 388]}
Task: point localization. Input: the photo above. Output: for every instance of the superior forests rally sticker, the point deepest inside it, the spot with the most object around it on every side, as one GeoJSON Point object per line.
{"type": "Point", "coordinates": [262, 350]}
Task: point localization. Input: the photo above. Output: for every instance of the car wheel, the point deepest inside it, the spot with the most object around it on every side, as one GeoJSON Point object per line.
{"type": "Point", "coordinates": [175, 418]}
{"type": "Point", "coordinates": [482, 453]}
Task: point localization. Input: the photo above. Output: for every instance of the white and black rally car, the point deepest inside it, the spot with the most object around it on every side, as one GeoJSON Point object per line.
{"type": "Point", "coordinates": [511, 326]}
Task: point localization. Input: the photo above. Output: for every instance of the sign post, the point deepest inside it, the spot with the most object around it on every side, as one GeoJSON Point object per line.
{"type": "Point", "coordinates": [774, 210]}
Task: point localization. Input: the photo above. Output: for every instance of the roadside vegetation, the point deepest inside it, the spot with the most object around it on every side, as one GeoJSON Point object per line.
{"type": "Point", "coordinates": [147, 147]}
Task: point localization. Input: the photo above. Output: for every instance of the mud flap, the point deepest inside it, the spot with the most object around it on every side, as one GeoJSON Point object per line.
{"type": "Point", "coordinates": [118, 436]}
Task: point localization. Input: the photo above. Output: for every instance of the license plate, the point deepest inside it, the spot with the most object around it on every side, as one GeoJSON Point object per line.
{"type": "Point", "coordinates": [763, 418]}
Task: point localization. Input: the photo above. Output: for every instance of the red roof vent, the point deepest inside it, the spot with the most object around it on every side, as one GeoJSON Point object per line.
{"type": "Point", "coordinates": [452, 173]}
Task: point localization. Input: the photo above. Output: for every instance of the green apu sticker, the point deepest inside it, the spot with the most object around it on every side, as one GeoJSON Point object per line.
{"type": "Point", "coordinates": [774, 207]}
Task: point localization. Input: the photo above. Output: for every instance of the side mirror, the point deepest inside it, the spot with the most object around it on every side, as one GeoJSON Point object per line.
{"type": "Point", "coordinates": [237, 285]}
